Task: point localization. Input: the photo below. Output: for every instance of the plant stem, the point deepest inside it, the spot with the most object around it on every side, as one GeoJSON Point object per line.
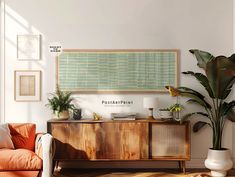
{"type": "Point", "coordinates": [214, 107]}
{"type": "Point", "coordinates": [217, 124]}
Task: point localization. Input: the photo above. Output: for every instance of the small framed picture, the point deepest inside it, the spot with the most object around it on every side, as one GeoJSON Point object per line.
{"type": "Point", "coordinates": [27, 85]}
{"type": "Point", "coordinates": [28, 47]}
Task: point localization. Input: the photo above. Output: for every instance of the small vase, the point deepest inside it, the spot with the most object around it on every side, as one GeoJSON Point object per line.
{"type": "Point", "coordinates": [77, 114]}
{"type": "Point", "coordinates": [219, 162]}
{"type": "Point", "coordinates": [176, 115]}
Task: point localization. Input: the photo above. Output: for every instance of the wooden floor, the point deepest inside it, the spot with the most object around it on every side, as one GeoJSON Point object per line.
{"type": "Point", "coordinates": [133, 173]}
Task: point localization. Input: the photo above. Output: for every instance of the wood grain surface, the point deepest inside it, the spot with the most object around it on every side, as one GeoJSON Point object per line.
{"type": "Point", "coordinates": [111, 140]}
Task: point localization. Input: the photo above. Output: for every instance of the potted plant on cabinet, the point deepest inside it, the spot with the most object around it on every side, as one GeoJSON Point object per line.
{"type": "Point", "coordinates": [60, 103]}
{"type": "Point", "coordinates": [175, 109]}
{"type": "Point", "coordinates": [218, 81]}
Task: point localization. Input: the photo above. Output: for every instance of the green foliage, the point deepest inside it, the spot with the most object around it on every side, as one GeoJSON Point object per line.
{"type": "Point", "coordinates": [60, 101]}
{"type": "Point", "coordinates": [218, 81]}
{"type": "Point", "coordinates": [176, 107]}
{"type": "Point", "coordinates": [195, 96]}
{"type": "Point", "coordinates": [197, 126]}
{"type": "Point", "coordinates": [231, 115]}
{"type": "Point", "coordinates": [189, 115]}
{"type": "Point", "coordinates": [203, 80]}
{"type": "Point", "coordinates": [202, 57]}
{"type": "Point", "coordinates": [220, 73]}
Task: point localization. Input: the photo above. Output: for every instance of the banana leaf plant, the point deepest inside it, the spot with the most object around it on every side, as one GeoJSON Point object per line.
{"type": "Point", "coordinates": [218, 80]}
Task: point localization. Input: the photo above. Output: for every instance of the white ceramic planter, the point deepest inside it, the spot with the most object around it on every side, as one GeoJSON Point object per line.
{"type": "Point", "coordinates": [219, 162]}
{"type": "Point", "coordinates": [62, 115]}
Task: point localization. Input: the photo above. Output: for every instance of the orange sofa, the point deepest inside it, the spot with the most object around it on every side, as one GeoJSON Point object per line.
{"type": "Point", "coordinates": [29, 158]}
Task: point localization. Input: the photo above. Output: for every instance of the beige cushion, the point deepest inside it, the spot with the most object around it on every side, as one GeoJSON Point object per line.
{"type": "Point", "coordinates": [5, 138]}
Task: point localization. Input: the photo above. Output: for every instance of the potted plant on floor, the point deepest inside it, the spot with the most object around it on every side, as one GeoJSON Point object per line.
{"type": "Point", "coordinates": [60, 103]}
{"type": "Point", "coordinates": [218, 81]}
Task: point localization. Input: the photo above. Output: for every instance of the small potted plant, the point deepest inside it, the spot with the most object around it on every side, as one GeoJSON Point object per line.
{"type": "Point", "coordinates": [60, 103]}
{"type": "Point", "coordinates": [175, 109]}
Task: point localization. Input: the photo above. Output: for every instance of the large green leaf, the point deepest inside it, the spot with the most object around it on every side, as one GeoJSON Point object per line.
{"type": "Point", "coordinates": [225, 108]}
{"type": "Point", "coordinates": [196, 102]}
{"type": "Point", "coordinates": [203, 80]}
{"type": "Point", "coordinates": [189, 90]}
{"type": "Point", "coordinates": [232, 57]}
{"type": "Point", "coordinates": [196, 96]}
{"type": "Point", "coordinates": [189, 115]}
{"type": "Point", "coordinates": [229, 87]}
{"type": "Point", "coordinates": [220, 72]}
{"type": "Point", "coordinates": [231, 115]}
{"type": "Point", "coordinates": [198, 99]}
{"type": "Point", "coordinates": [202, 57]}
{"type": "Point", "coordinates": [197, 126]}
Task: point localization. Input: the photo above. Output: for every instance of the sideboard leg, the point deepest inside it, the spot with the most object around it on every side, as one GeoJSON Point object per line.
{"type": "Point", "coordinates": [180, 165]}
{"type": "Point", "coordinates": [53, 166]}
{"type": "Point", "coordinates": [184, 166]}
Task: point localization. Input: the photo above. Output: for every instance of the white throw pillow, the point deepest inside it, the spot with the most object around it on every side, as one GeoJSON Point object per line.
{"type": "Point", "coordinates": [5, 137]}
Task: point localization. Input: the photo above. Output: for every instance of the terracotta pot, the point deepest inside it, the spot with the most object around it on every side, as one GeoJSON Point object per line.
{"type": "Point", "coordinates": [62, 115]}
{"type": "Point", "coordinates": [219, 162]}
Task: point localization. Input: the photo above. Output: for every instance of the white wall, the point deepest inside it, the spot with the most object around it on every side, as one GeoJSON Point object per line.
{"type": "Point", "coordinates": [1, 59]}
{"type": "Point", "coordinates": [115, 24]}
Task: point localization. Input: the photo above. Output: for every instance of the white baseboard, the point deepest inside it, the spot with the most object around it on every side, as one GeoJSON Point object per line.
{"type": "Point", "coordinates": [193, 163]}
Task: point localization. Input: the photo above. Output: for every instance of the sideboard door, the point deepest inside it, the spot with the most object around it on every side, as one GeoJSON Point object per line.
{"type": "Point", "coordinates": [134, 141]}
{"type": "Point", "coordinates": [122, 141]}
{"type": "Point", "coordinates": [101, 140]}
{"type": "Point", "coordinates": [170, 141]}
{"type": "Point", "coordinates": [75, 140]}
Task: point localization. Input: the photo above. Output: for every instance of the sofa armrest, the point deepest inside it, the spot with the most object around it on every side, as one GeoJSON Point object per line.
{"type": "Point", "coordinates": [38, 144]}
{"type": "Point", "coordinates": [45, 148]}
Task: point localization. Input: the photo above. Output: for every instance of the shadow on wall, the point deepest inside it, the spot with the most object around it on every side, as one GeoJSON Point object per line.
{"type": "Point", "coordinates": [15, 24]}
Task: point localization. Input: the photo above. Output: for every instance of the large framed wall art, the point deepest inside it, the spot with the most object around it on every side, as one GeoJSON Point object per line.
{"type": "Point", "coordinates": [146, 70]}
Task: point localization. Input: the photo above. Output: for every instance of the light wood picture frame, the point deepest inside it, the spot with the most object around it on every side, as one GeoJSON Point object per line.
{"type": "Point", "coordinates": [29, 47]}
{"type": "Point", "coordinates": [27, 85]}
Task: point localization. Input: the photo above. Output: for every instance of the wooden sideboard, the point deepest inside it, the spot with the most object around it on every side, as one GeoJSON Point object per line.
{"type": "Point", "coordinates": [120, 140]}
